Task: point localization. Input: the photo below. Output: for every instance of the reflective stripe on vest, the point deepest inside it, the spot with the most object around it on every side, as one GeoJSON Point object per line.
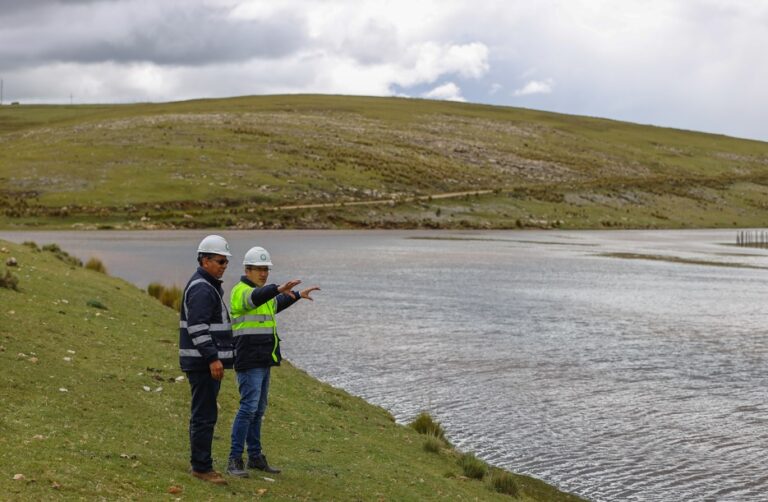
{"type": "Point", "coordinates": [253, 321]}
{"type": "Point", "coordinates": [257, 318]}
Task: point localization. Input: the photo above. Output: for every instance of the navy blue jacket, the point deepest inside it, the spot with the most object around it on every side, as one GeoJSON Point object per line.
{"type": "Point", "coordinates": [205, 330]}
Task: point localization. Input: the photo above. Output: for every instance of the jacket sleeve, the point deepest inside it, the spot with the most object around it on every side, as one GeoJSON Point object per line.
{"type": "Point", "coordinates": [262, 295]}
{"type": "Point", "coordinates": [202, 304]}
{"type": "Point", "coordinates": [284, 301]}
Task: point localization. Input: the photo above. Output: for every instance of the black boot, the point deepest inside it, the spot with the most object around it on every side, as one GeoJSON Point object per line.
{"type": "Point", "coordinates": [260, 463]}
{"type": "Point", "coordinates": [235, 468]}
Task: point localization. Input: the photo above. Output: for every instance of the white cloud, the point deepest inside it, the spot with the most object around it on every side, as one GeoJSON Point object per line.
{"type": "Point", "coordinates": [667, 62]}
{"type": "Point", "coordinates": [427, 62]}
{"type": "Point", "coordinates": [535, 87]}
{"type": "Point", "coordinates": [446, 92]}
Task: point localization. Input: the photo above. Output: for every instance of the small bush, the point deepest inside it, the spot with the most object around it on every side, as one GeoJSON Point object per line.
{"type": "Point", "coordinates": [171, 297]}
{"type": "Point", "coordinates": [433, 444]}
{"type": "Point", "coordinates": [472, 466]}
{"type": "Point", "coordinates": [9, 281]}
{"type": "Point", "coordinates": [97, 265]}
{"type": "Point", "coordinates": [425, 424]}
{"type": "Point", "coordinates": [168, 296]}
{"type": "Point", "coordinates": [155, 289]}
{"type": "Point", "coordinates": [31, 244]}
{"type": "Point", "coordinates": [62, 255]}
{"type": "Point", "coordinates": [504, 482]}
{"type": "Point", "coordinates": [96, 304]}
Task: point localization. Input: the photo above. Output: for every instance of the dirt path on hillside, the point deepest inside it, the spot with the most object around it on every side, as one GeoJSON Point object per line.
{"type": "Point", "coordinates": [447, 195]}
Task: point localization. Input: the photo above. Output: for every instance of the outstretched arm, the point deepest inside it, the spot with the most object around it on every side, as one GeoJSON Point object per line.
{"type": "Point", "coordinates": [287, 299]}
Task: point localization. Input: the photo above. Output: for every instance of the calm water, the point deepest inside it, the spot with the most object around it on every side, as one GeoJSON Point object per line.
{"type": "Point", "coordinates": [613, 379]}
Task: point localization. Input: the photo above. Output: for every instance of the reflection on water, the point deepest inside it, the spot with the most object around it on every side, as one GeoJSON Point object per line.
{"type": "Point", "coordinates": [614, 379]}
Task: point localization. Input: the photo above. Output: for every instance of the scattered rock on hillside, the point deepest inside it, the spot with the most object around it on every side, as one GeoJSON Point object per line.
{"type": "Point", "coordinates": [11, 262]}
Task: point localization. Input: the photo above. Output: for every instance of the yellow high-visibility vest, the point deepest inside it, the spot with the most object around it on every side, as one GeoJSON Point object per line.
{"type": "Point", "coordinates": [248, 320]}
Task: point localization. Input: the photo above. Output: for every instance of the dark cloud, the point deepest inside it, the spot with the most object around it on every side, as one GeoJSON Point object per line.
{"type": "Point", "coordinates": [177, 35]}
{"type": "Point", "coordinates": [11, 6]}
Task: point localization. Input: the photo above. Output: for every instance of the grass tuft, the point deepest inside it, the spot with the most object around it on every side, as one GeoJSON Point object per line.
{"type": "Point", "coordinates": [97, 265]}
{"type": "Point", "coordinates": [433, 444]}
{"type": "Point", "coordinates": [62, 255]}
{"type": "Point", "coordinates": [155, 289]}
{"type": "Point", "coordinates": [171, 297]}
{"type": "Point", "coordinates": [472, 466]}
{"type": "Point", "coordinates": [425, 424]}
{"type": "Point", "coordinates": [96, 304]}
{"type": "Point", "coordinates": [504, 482]}
{"type": "Point", "coordinates": [168, 296]}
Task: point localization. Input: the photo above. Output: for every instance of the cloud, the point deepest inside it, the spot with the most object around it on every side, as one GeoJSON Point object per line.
{"type": "Point", "coordinates": [535, 87]}
{"type": "Point", "coordinates": [665, 62]}
{"type": "Point", "coordinates": [162, 33]}
{"type": "Point", "coordinates": [446, 92]}
{"type": "Point", "coordinates": [426, 62]}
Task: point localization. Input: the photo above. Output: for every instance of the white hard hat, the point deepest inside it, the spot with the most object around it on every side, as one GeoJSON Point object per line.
{"type": "Point", "coordinates": [214, 244]}
{"type": "Point", "coordinates": [257, 256]}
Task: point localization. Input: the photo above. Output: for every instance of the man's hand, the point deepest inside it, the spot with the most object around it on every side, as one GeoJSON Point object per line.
{"type": "Point", "coordinates": [305, 293]}
{"type": "Point", "coordinates": [288, 286]}
{"type": "Point", "coordinates": [217, 370]}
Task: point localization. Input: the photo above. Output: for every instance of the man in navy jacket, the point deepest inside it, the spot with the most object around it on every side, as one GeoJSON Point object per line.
{"type": "Point", "coordinates": [206, 348]}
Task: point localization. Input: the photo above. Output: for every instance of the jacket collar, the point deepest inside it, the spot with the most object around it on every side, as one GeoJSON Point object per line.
{"type": "Point", "coordinates": [208, 277]}
{"type": "Point", "coordinates": [246, 280]}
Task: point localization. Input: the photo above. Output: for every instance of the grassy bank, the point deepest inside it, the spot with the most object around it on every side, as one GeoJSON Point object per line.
{"type": "Point", "coordinates": [236, 162]}
{"type": "Point", "coordinates": [92, 409]}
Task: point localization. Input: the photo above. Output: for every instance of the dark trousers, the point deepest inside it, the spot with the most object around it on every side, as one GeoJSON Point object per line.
{"type": "Point", "coordinates": [202, 420]}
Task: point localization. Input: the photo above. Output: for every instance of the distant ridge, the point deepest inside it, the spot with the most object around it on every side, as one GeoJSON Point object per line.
{"type": "Point", "coordinates": [233, 162]}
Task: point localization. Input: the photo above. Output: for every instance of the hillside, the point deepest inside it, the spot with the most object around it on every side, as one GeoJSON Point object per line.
{"type": "Point", "coordinates": [94, 409]}
{"type": "Point", "coordinates": [239, 162]}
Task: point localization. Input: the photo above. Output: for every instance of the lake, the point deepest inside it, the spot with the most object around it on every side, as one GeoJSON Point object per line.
{"type": "Point", "coordinates": [611, 378]}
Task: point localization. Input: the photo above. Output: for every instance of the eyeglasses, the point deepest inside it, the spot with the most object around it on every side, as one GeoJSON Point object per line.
{"type": "Point", "coordinates": [220, 261]}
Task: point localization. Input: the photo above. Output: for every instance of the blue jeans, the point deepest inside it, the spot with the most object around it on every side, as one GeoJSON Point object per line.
{"type": "Point", "coordinates": [246, 429]}
{"type": "Point", "coordinates": [202, 419]}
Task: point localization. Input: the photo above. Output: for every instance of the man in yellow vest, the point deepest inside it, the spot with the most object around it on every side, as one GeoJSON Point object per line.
{"type": "Point", "coordinates": [254, 304]}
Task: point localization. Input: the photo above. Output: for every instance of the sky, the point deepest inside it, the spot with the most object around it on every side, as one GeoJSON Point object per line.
{"type": "Point", "coordinates": [688, 64]}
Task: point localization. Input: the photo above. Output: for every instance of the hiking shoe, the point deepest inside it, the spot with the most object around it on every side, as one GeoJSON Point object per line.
{"type": "Point", "coordinates": [236, 468]}
{"type": "Point", "coordinates": [260, 463]}
{"type": "Point", "coordinates": [210, 476]}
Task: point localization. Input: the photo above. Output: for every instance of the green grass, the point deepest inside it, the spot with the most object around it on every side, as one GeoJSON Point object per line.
{"type": "Point", "coordinates": [425, 424]}
{"type": "Point", "coordinates": [230, 162]}
{"type": "Point", "coordinates": [472, 467]}
{"type": "Point", "coordinates": [78, 424]}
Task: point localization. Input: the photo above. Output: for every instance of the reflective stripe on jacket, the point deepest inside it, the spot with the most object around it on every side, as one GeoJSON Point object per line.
{"type": "Point", "coordinates": [205, 331]}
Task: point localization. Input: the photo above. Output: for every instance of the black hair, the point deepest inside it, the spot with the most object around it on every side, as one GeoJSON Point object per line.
{"type": "Point", "coordinates": [200, 257]}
